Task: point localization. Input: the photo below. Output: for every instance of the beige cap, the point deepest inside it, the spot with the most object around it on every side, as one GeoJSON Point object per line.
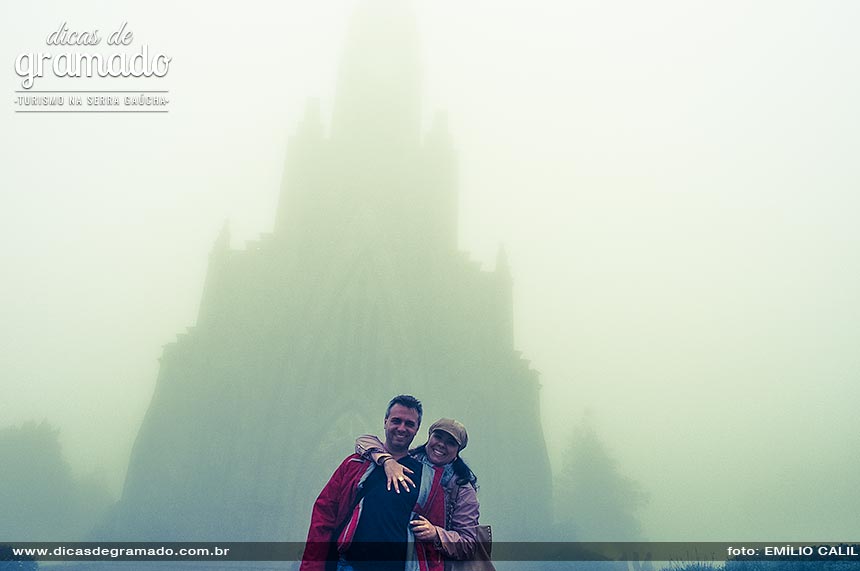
{"type": "Point", "coordinates": [453, 427]}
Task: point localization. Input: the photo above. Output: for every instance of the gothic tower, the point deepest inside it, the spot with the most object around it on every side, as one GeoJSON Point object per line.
{"type": "Point", "coordinates": [359, 294]}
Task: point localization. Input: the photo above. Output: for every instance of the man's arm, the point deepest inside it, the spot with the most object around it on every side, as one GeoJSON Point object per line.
{"type": "Point", "coordinates": [370, 447]}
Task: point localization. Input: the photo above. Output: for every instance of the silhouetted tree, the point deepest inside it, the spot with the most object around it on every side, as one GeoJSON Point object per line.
{"type": "Point", "coordinates": [40, 497]}
{"type": "Point", "coordinates": [594, 502]}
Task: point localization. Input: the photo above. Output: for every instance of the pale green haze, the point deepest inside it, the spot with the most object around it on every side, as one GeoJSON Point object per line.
{"type": "Point", "coordinates": [674, 184]}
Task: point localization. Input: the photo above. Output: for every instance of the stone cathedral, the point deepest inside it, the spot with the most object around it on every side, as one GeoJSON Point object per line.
{"type": "Point", "coordinates": [358, 294]}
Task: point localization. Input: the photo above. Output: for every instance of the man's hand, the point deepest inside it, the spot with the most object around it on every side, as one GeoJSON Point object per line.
{"type": "Point", "coordinates": [396, 474]}
{"type": "Point", "coordinates": [423, 530]}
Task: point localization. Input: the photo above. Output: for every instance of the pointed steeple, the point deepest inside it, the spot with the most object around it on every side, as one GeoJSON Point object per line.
{"type": "Point", "coordinates": [439, 135]}
{"type": "Point", "coordinates": [218, 258]}
{"type": "Point", "coordinates": [311, 127]}
{"type": "Point", "coordinates": [503, 268]}
{"type": "Point", "coordinates": [372, 165]}
{"type": "Point", "coordinates": [222, 242]}
{"type": "Point", "coordinates": [506, 297]}
{"type": "Point", "coordinates": [361, 292]}
{"type": "Point", "coordinates": [378, 84]}
{"type": "Point", "coordinates": [439, 195]}
{"type": "Point", "coordinates": [302, 166]}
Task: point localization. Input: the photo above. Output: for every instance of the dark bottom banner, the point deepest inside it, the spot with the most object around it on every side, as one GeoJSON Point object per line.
{"type": "Point", "coordinates": [501, 551]}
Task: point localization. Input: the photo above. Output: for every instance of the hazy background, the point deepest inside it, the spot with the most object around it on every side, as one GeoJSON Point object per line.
{"type": "Point", "coordinates": [675, 183]}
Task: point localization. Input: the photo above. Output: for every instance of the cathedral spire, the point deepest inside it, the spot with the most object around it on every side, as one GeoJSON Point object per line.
{"type": "Point", "coordinates": [378, 82]}
{"type": "Point", "coordinates": [361, 293]}
{"type": "Point", "coordinates": [222, 242]}
{"type": "Point", "coordinates": [506, 297]}
{"type": "Point", "coordinates": [440, 200]}
{"type": "Point", "coordinates": [503, 268]}
{"type": "Point", "coordinates": [311, 126]}
{"type": "Point", "coordinates": [218, 257]}
{"type": "Point", "coordinates": [300, 177]}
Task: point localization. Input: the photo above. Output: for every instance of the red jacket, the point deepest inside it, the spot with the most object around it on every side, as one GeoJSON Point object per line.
{"type": "Point", "coordinates": [332, 509]}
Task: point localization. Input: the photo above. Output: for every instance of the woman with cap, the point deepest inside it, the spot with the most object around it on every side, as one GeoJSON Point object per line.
{"type": "Point", "coordinates": [446, 438]}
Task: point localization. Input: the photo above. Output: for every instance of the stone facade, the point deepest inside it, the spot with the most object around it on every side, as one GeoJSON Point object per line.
{"type": "Point", "coordinates": [360, 293]}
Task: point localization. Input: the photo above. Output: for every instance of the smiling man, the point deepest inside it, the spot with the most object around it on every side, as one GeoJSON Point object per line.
{"type": "Point", "coordinates": [360, 526]}
{"type": "Point", "coordinates": [401, 424]}
{"type": "Point", "coordinates": [457, 537]}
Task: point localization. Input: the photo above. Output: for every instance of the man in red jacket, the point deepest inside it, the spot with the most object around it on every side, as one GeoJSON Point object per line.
{"type": "Point", "coordinates": [359, 525]}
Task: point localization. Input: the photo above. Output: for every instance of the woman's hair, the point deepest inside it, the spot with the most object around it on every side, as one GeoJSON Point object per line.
{"type": "Point", "coordinates": [462, 471]}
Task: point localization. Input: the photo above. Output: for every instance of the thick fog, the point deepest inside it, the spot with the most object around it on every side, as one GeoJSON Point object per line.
{"type": "Point", "coordinates": [675, 184]}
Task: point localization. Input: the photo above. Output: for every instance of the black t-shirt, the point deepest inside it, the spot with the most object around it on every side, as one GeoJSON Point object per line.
{"type": "Point", "coordinates": [379, 543]}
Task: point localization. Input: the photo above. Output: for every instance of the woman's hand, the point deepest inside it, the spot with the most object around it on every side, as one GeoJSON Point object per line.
{"type": "Point", "coordinates": [423, 530]}
{"type": "Point", "coordinates": [396, 472]}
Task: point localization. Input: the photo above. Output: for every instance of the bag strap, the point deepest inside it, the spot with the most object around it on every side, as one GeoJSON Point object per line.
{"type": "Point", "coordinates": [451, 504]}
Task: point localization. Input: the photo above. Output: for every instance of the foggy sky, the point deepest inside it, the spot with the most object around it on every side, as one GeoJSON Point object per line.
{"type": "Point", "coordinates": [675, 184]}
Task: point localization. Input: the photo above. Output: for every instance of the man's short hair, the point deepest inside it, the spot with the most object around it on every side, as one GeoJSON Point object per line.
{"type": "Point", "coordinates": [409, 402]}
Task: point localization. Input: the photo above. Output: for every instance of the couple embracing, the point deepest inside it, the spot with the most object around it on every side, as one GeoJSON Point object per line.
{"type": "Point", "coordinates": [389, 508]}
